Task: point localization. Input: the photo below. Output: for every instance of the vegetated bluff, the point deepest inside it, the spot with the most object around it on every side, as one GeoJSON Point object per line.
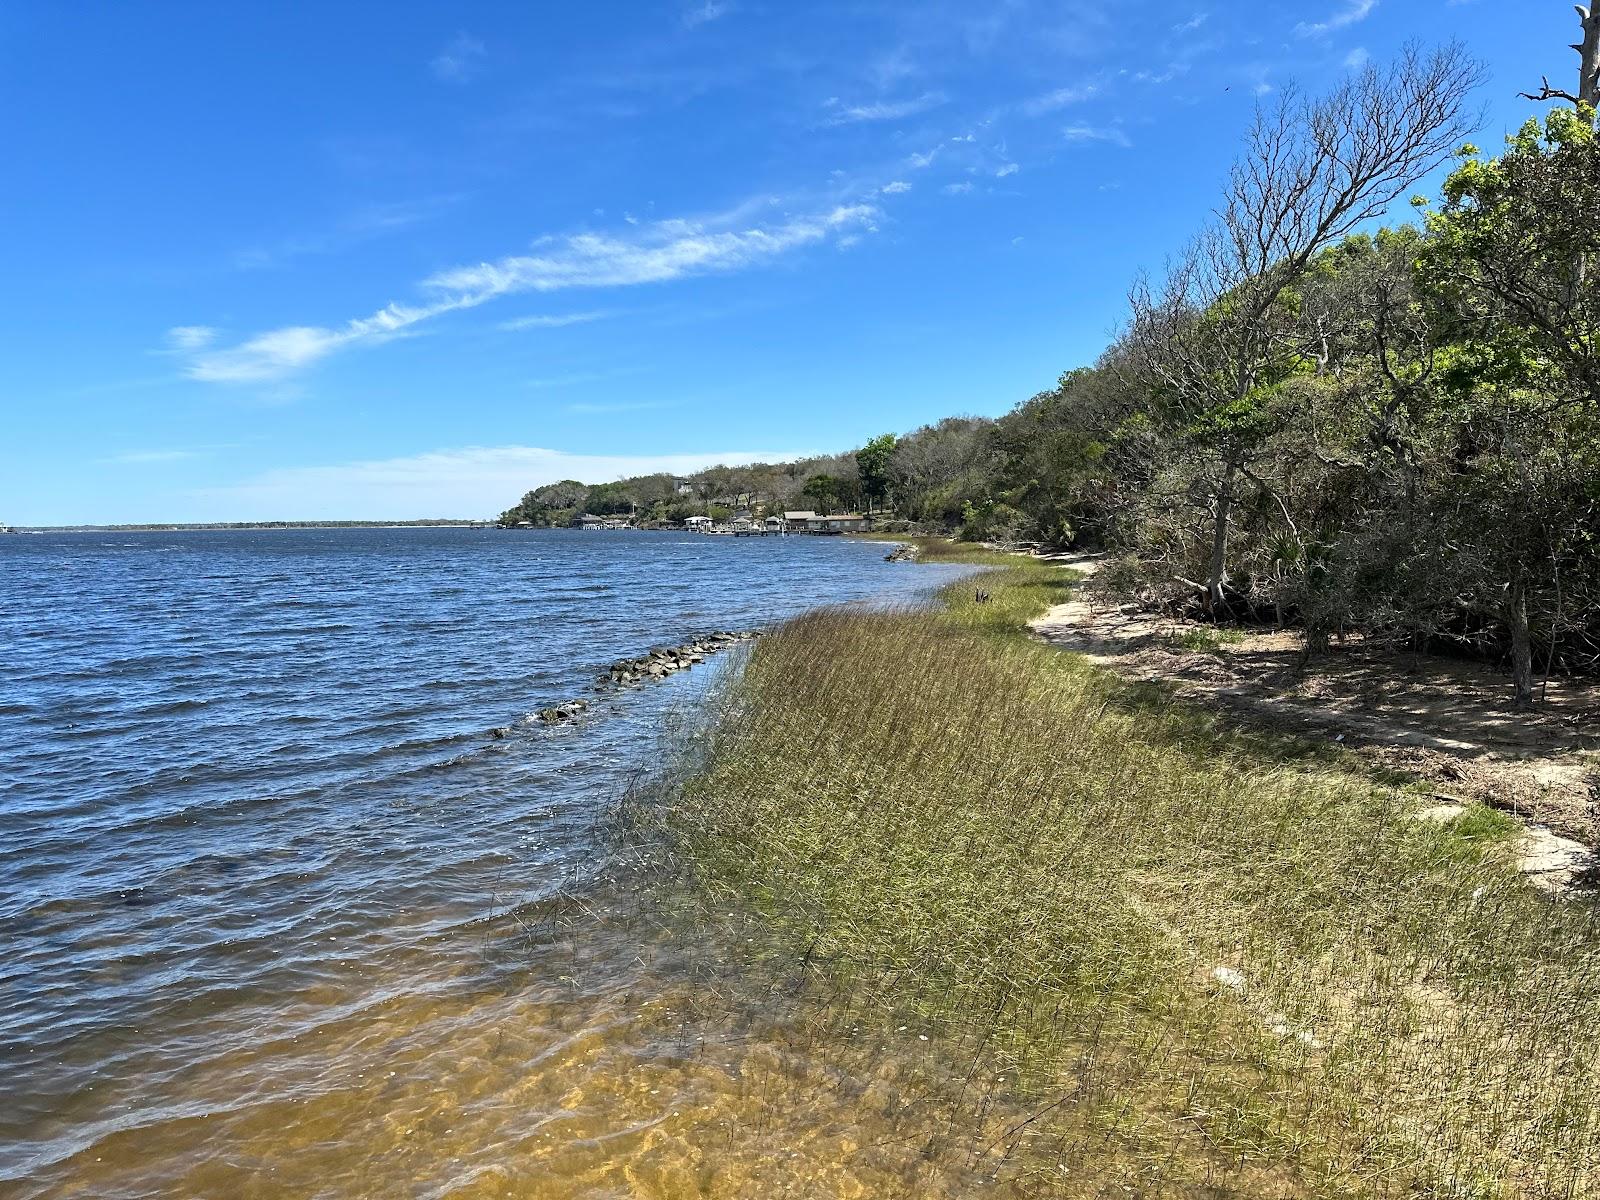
{"type": "Point", "coordinates": [1394, 432]}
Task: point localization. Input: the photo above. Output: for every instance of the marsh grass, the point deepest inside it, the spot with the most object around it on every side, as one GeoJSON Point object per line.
{"type": "Point", "coordinates": [1153, 956]}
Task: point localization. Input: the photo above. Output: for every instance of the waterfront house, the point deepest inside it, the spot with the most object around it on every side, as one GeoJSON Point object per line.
{"type": "Point", "coordinates": [796, 522]}
{"type": "Point", "coordinates": [839, 523]}
{"type": "Point", "coordinates": [772, 525]}
{"type": "Point", "coordinates": [697, 524]}
{"type": "Point", "coordinates": [588, 521]}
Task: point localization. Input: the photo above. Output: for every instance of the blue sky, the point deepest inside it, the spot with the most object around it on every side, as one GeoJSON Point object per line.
{"type": "Point", "coordinates": [404, 259]}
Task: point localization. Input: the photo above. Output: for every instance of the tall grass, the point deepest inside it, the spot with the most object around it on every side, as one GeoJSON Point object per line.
{"type": "Point", "coordinates": [1167, 961]}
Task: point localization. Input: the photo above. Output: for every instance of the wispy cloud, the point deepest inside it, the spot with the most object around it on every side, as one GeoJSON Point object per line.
{"type": "Point", "coordinates": [1174, 70]}
{"type": "Point", "coordinates": [175, 454]}
{"type": "Point", "coordinates": [1357, 58]}
{"type": "Point", "coordinates": [1351, 13]}
{"type": "Point", "coordinates": [1055, 101]}
{"type": "Point", "coordinates": [658, 252]}
{"type": "Point", "coordinates": [882, 110]}
{"type": "Point", "coordinates": [1193, 23]}
{"type": "Point", "coordinates": [1006, 169]}
{"type": "Point", "coordinates": [468, 481]}
{"type": "Point", "coordinates": [555, 320]}
{"type": "Point", "coordinates": [896, 188]}
{"type": "Point", "coordinates": [957, 189]}
{"type": "Point", "coordinates": [706, 11]}
{"type": "Point", "coordinates": [182, 338]}
{"type": "Point", "coordinates": [281, 352]}
{"type": "Point", "coordinates": [461, 60]}
{"type": "Point", "coordinates": [1096, 133]}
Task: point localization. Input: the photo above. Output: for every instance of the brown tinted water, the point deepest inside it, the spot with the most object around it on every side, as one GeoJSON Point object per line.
{"type": "Point", "coordinates": [280, 920]}
{"type": "Point", "coordinates": [571, 1054]}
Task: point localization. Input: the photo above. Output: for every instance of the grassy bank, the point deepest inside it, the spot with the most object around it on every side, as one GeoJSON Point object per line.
{"type": "Point", "coordinates": [1159, 959]}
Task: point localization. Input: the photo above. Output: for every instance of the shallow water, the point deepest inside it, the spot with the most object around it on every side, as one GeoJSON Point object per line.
{"type": "Point", "coordinates": [279, 919]}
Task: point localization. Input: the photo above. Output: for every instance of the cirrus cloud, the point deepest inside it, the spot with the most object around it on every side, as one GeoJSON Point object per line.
{"type": "Point", "coordinates": [648, 254]}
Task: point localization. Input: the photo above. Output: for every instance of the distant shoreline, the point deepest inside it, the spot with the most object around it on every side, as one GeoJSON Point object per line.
{"type": "Point", "coordinates": [202, 526]}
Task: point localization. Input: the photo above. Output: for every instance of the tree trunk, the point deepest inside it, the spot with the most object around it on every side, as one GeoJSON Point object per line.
{"type": "Point", "coordinates": [1521, 643]}
{"type": "Point", "coordinates": [1217, 573]}
{"type": "Point", "coordinates": [1589, 51]}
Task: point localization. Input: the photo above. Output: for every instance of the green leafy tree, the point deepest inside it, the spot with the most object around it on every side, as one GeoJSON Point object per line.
{"type": "Point", "coordinates": [874, 462]}
{"type": "Point", "coordinates": [823, 491]}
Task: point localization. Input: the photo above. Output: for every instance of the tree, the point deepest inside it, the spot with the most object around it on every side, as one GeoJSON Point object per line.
{"type": "Point", "coordinates": [608, 499]}
{"type": "Point", "coordinates": [873, 461]}
{"type": "Point", "coordinates": [1509, 256]}
{"type": "Point", "coordinates": [823, 490]}
{"type": "Point", "coordinates": [1218, 339]}
{"type": "Point", "coordinates": [1508, 270]}
{"type": "Point", "coordinates": [547, 504]}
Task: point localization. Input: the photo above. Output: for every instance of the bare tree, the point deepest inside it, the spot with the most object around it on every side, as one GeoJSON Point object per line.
{"type": "Point", "coordinates": [1217, 334]}
{"type": "Point", "coordinates": [1588, 66]}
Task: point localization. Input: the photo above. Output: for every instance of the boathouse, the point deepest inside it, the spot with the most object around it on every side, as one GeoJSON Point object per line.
{"type": "Point", "coordinates": [840, 523]}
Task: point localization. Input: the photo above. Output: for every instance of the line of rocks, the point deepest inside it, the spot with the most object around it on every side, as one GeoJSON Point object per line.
{"type": "Point", "coordinates": [667, 660]}
{"type": "Point", "coordinates": [632, 672]}
{"type": "Point", "coordinates": [906, 553]}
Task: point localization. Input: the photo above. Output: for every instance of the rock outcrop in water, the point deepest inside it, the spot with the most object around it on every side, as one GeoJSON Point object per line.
{"type": "Point", "coordinates": [632, 672]}
{"type": "Point", "coordinates": [907, 553]}
{"type": "Point", "coordinates": [664, 661]}
{"type": "Point", "coordinates": [561, 713]}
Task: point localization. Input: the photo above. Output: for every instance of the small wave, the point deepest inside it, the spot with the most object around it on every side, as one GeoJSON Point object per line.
{"type": "Point", "coordinates": [170, 708]}
{"type": "Point", "coordinates": [289, 631]}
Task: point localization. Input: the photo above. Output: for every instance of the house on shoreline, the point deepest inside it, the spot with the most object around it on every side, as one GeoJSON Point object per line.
{"type": "Point", "coordinates": [746, 525]}
{"type": "Point", "coordinates": [590, 522]}
{"type": "Point", "coordinates": [839, 523]}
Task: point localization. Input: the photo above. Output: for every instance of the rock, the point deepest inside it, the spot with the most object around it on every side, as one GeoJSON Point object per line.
{"type": "Point", "coordinates": [661, 661]}
{"type": "Point", "coordinates": [500, 731]}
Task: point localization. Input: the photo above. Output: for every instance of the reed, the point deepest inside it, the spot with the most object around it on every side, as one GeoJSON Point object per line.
{"type": "Point", "coordinates": [1156, 957]}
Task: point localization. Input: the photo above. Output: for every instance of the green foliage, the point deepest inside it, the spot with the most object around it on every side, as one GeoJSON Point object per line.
{"type": "Point", "coordinates": [823, 490]}
{"type": "Point", "coordinates": [873, 461]}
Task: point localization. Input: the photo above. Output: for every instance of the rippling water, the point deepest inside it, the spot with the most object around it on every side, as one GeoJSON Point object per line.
{"type": "Point", "coordinates": [276, 912]}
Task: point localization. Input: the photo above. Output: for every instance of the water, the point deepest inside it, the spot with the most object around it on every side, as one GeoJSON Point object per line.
{"type": "Point", "coordinates": [279, 918]}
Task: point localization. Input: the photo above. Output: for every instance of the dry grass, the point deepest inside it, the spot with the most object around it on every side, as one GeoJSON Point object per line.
{"type": "Point", "coordinates": [1164, 962]}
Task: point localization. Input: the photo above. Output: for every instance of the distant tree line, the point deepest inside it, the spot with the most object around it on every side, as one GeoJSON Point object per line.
{"type": "Point", "coordinates": [1391, 432]}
